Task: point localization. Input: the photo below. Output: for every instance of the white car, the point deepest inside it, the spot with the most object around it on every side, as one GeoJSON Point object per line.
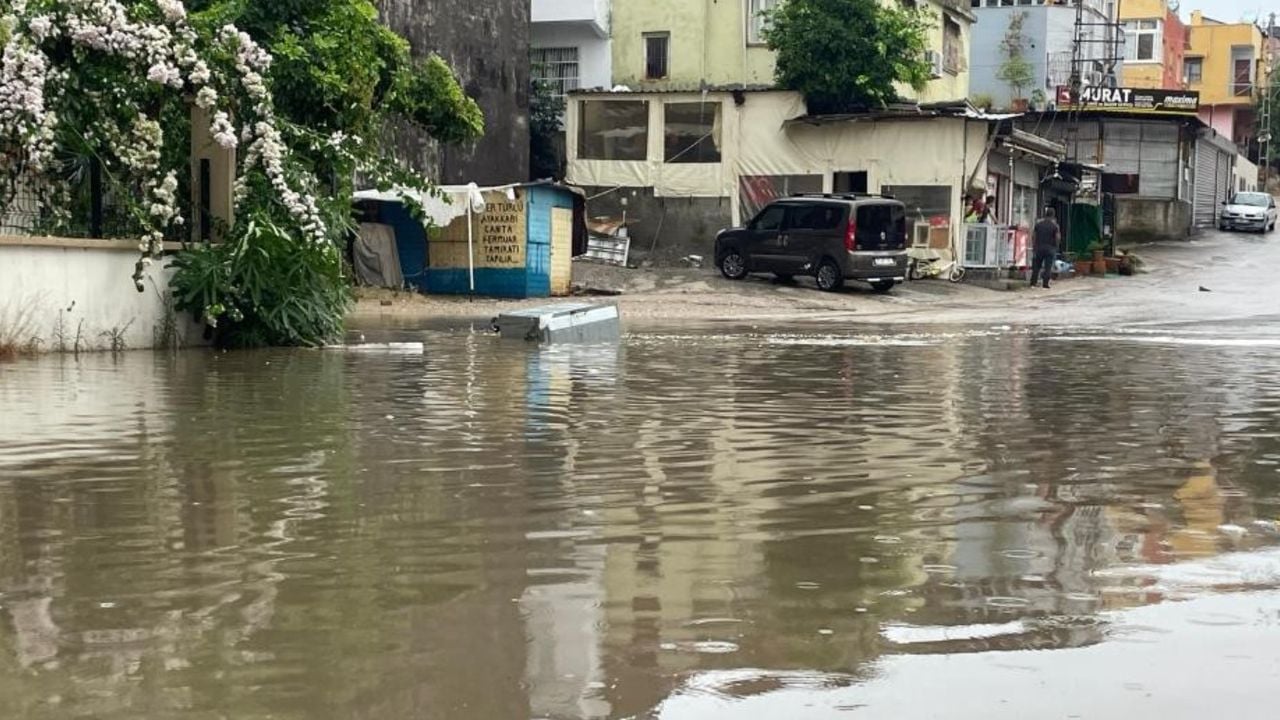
{"type": "Point", "coordinates": [1249, 211]}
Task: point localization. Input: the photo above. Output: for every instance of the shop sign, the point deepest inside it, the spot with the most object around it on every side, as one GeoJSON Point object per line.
{"type": "Point", "coordinates": [1131, 100]}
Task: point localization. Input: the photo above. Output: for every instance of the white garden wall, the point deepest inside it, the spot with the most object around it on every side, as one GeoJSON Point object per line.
{"type": "Point", "coordinates": [70, 294]}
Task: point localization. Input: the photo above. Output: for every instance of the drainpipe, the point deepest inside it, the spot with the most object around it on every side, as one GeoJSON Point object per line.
{"type": "Point", "coordinates": [706, 39]}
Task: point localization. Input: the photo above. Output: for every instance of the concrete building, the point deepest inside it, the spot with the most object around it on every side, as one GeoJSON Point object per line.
{"type": "Point", "coordinates": [487, 44]}
{"type": "Point", "coordinates": [1165, 175]}
{"type": "Point", "coordinates": [570, 44]}
{"type": "Point", "coordinates": [684, 164]}
{"type": "Point", "coordinates": [666, 150]}
{"type": "Point", "coordinates": [1224, 63]}
{"type": "Point", "coordinates": [1155, 43]}
{"type": "Point", "coordinates": [1048, 30]}
{"type": "Point", "coordinates": [673, 45]}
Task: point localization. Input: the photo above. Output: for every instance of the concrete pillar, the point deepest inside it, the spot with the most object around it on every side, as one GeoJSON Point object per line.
{"type": "Point", "coordinates": [213, 177]}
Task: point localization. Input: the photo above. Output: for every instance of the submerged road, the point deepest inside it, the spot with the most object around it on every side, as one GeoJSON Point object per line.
{"type": "Point", "coordinates": [949, 503]}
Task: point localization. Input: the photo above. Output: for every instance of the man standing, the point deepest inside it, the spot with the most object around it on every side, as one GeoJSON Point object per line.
{"type": "Point", "coordinates": [1047, 237]}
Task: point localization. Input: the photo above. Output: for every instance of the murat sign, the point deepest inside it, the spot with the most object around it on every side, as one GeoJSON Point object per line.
{"type": "Point", "coordinates": [1133, 100]}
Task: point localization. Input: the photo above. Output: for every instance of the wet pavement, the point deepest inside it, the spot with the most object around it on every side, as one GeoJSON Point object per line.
{"type": "Point", "coordinates": [814, 521]}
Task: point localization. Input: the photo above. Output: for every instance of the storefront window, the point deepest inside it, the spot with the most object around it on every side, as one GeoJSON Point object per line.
{"type": "Point", "coordinates": [613, 130]}
{"type": "Point", "coordinates": [927, 203]}
{"type": "Point", "coordinates": [928, 212]}
{"type": "Point", "coordinates": [693, 133]}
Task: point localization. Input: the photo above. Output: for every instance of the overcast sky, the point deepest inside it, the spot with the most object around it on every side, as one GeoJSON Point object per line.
{"type": "Point", "coordinates": [1231, 10]}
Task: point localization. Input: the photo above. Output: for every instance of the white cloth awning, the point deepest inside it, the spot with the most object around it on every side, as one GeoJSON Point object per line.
{"type": "Point", "coordinates": [446, 204]}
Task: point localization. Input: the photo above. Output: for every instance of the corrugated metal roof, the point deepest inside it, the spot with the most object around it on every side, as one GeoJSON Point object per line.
{"type": "Point", "coordinates": [907, 111]}
{"type": "Point", "coordinates": [677, 90]}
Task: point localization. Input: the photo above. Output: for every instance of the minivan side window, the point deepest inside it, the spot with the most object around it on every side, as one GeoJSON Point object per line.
{"type": "Point", "coordinates": [770, 218]}
{"type": "Point", "coordinates": [819, 216]}
{"type": "Point", "coordinates": [873, 220]}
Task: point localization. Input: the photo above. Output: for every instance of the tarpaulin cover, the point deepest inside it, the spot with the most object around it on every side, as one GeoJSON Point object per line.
{"type": "Point", "coordinates": [376, 258]}
{"type": "Point", "coordinates": [1084, 228]}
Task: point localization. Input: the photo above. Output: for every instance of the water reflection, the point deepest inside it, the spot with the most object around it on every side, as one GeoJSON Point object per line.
{"type": "Point", "coordinates": [488, 530]}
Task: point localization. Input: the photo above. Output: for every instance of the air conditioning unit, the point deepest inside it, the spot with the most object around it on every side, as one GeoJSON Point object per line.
{"type": "Point", "coordinates": [934, 58]}
{"type": "Point", "coordinates": [920, 235]}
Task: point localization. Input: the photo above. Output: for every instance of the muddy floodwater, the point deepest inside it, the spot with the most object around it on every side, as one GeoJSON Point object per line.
{"type": "Point", "coordinates": [690, 525]}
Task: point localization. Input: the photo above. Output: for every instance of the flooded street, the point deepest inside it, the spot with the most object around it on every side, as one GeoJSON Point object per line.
{"type": "Point", "coordinates": [693, 525]}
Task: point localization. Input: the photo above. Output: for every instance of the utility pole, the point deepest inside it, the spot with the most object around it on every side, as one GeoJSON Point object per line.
{"type": "Point", "coordinates": [1271, 68]}
{"type": "Point", "coordinates": [1096, 53]}
{"type": "Point", "coordinates": [1094, 59]}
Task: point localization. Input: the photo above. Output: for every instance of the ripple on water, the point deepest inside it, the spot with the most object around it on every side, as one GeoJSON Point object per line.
{"type": "Point", "coordinates": [701, 647]}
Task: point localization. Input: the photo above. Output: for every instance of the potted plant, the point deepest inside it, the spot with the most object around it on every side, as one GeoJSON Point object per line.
{"type": "Point", "coordinates": [1038, 99]}
{"type": "Point", "coordinates": [1082, 267]}
{"type": "Point", "coordinates": [1098, 251]}
{"type": "Point", "coordinates": [1015, 71]}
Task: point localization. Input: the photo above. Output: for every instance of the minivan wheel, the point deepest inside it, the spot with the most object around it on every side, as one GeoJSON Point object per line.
{"type": "Point", "coordinates": [883, 287]}
{"type": "Point", "coordinates": [829, 277]}
{"type": "Point", "coordinates": [733, 265]}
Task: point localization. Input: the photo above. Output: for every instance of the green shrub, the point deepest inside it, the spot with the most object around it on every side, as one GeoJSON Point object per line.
{"type": "Point", "coordinates": [263, 286]}
{"type": "Point", "coordinates": [845, 55]}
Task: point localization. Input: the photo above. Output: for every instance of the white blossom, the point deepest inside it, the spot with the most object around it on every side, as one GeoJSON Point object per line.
{"type": "Point", "coordinates": [41, 27]}
{"type": "Point", "coordinates": [224, 133]}
{"type": "Point", "coordinates": [206, 98]}
{"type": "Point", "coordinates": [200, 73]}
{"type": "Point", "coordinates": [173, 10]}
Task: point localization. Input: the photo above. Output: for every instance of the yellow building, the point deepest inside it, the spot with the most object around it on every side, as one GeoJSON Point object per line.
{"type": "Point", "coordinates": [1222, 61]}
{"type": "Point", "coordinates": [1155, 41]}
{"type": "Point", "coordinates": [673, 45]}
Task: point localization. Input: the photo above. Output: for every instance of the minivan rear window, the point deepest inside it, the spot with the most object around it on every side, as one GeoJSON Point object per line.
{"type": "Point", "coordinates": [817, 217]}
{"type": "Point", "coordinates": [872, 220]}
{"type": "Point", "coordinates": [882, 226]}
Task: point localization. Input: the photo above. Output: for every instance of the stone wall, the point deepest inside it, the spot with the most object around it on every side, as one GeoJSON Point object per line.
{"type": "Point", "coordinates": [487, 44]}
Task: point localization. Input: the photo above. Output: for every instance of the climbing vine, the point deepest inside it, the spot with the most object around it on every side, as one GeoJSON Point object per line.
{"type": "Point", "coordinates": [300, 90]}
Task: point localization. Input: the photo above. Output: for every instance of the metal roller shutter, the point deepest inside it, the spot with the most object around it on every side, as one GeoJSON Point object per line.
{"type": "Point", "coordinates": [1205, 207]}
{"type": "Point", "coordinates": [1158, 160]}
{"type": "Point", "coordinates": [1223, 185]}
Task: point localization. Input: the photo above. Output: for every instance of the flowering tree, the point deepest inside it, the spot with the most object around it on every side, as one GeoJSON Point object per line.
{"type": "Point", "coordinates": [66, 63]}
{"type": "Point", "coordinates": [300, 90]}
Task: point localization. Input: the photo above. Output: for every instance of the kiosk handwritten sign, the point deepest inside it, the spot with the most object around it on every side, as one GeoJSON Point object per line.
{"type": "Point", "coordinates": [500, 241]}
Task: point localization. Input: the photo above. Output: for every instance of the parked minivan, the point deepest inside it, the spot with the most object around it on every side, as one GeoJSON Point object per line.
{"type": "Point", "coordinates": [832, 238]}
